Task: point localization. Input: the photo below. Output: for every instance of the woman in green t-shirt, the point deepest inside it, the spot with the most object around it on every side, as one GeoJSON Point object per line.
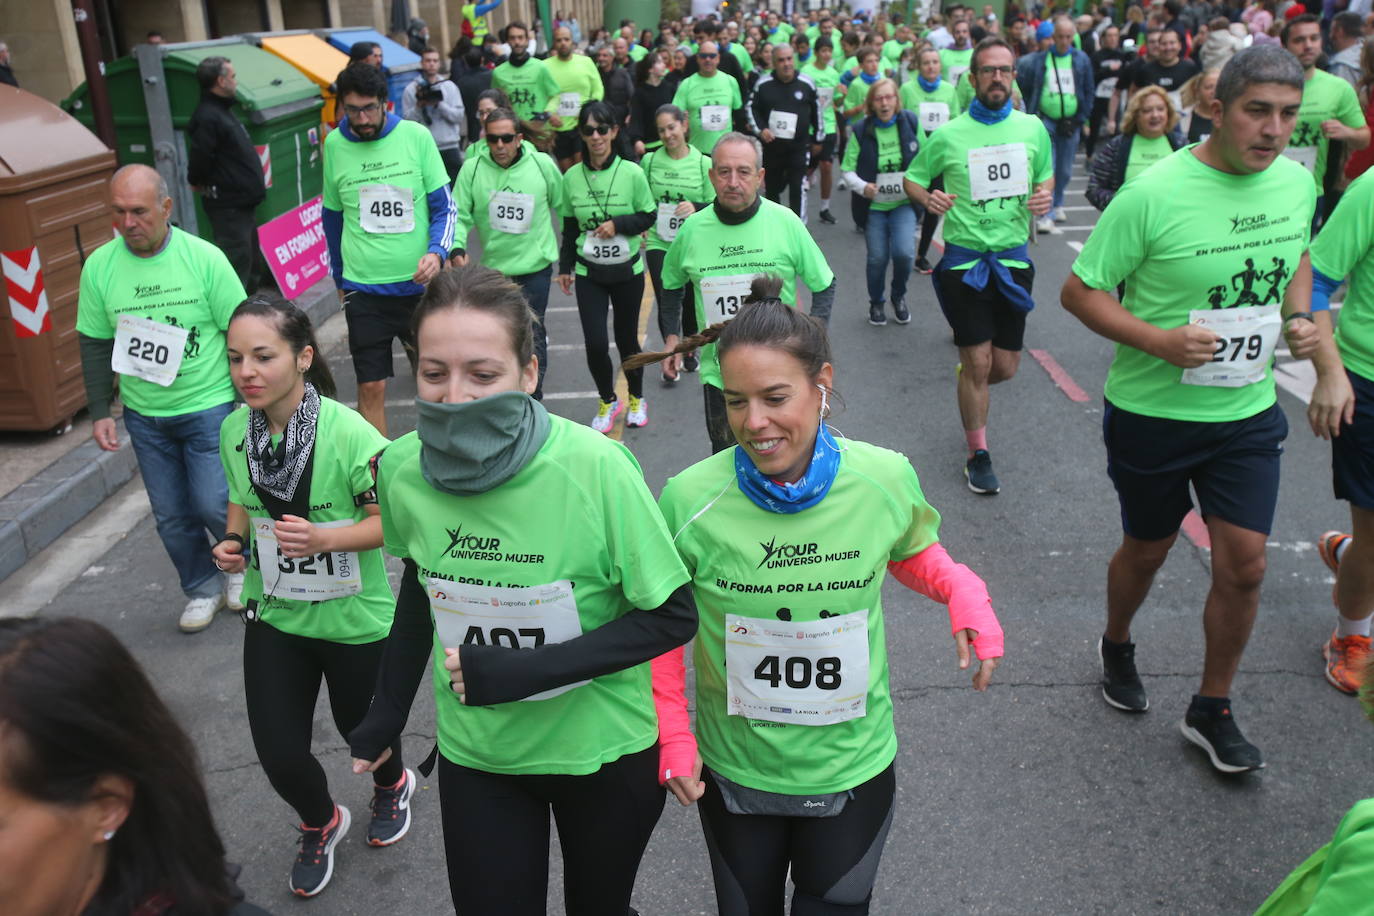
{"type": "Point", "coordinates": [606, 205]}
{"type": "Point", "coordinates": [1149, 133]}
{"type": "Point", "coordinates": [318, 603]}
{"type": "Point", "coordinates": [540, 579]}
{"type": "Point", "coordinates": [787, 537]}
{"type": "Point", "coordinates": [679, 177]}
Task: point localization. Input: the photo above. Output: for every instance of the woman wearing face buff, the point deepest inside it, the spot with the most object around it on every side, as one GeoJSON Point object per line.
{"type": "Point", "coordinates": [606, 206]}
{"type": "Point", "coordinates": [102, 809]}
{"type": "Point", "coordinates": [541, 579]}
{"type": "Point", "coordinates": [318, 603]}
{"type": "Point", "coordinates": [790, 532]}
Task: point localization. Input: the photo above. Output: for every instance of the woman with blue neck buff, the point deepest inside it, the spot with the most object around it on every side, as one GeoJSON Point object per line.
{"type": "Point", "coordinates": [787, 537]}
{"type": "Point", "coordinates": [881, 146]}
{"type": "Point", "coordinates": [540, 578]}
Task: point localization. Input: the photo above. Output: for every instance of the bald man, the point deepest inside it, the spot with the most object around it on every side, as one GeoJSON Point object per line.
{"type": "Point", "coordinates": [155, 303]}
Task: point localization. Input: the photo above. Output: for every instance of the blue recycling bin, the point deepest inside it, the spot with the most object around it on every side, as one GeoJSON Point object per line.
{"type": "Point", "coordinates": [400, 64]}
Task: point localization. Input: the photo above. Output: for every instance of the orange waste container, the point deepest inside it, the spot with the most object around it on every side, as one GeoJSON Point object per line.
{"type": "Point", "coordinates": [54, 210]}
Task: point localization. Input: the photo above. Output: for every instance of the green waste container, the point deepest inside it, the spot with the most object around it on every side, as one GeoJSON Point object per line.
{"type": "Point", "coordinates": [279, 105]}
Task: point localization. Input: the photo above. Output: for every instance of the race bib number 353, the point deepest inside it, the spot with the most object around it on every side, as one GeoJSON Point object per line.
{"type": "Point", "coordinates": [798, 673]}
{"type": "Point", "coordinates": [998, 171]}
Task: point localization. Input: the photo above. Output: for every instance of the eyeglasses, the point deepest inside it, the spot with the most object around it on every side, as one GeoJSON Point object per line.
{"type": "Point", "coordinates": [704, 56]}
{"type": "Point", "coordinates": [996, 71]}
{"type": "Point", "coordinates": [353, 111]}
{"type": "Point", "coordinates": [502, 138]}
{"type": "Point", "coordinates": [589, 129]}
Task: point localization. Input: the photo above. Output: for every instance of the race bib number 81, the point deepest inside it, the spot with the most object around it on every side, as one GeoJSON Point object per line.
{"type": "Point", "coordinates": [998, 171]}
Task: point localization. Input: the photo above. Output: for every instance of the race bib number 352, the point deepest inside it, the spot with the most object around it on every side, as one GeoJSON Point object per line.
{"type": "Point", "coordinates": [797, 673]}
{"type": "Point", "coordinates": [998, 171]}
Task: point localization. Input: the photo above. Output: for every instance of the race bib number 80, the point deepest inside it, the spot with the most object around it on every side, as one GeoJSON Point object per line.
{"type": "Point", "coordinates": [998, 171]}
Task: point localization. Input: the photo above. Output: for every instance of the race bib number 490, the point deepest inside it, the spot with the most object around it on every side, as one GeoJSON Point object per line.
{"type": "Point", "coordinates": [1248, 335]}
{"type": "Point", "coordinates": [721, 296]}
{"type": "Point", "coordinates": [808, 673]}
{"type": "Point", "coordinates": [385, 209]}
{"type": "Point", "coordinates": [517, 618]}
{"type": "Point", "coordinates": [998, 171]}
{"type": "Point", "coordinates": [890, 188]}
{"type": "Point", "coordinates": [317, 577]}
{"type": "Point", "coordinates": [148, 349]}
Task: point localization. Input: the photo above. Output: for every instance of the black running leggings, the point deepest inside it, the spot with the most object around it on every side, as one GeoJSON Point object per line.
{"type": "Point", "coordinates": [834, 860]}
{"type": "Point", "coordinates": [654, 260]}
{"type": "Point", "coordinates": [496, 836]}
{"type": "Point", "coordinates": [623, 300]}
{"type": "Point", "coordinates": [929, 220]}
{"type": "Point", "coordinates": [281, 682]}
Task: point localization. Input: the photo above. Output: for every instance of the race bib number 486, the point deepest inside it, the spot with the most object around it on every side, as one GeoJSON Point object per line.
{"type": "Point", "coordinates": [385, 209]}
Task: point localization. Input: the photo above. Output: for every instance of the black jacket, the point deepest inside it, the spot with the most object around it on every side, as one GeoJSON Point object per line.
{"type": "Point", "coordinates": [1108, 172]}
{"type": "Point", "coordinates": [647, 100]}
{"type": "Point", "coordinates": [798, 97]}
{"type": "Point", "coordinates": [222, 160]}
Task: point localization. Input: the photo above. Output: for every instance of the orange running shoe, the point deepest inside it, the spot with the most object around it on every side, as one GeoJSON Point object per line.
{"type": "Point", "coordinates": [1346, 658]}
{"type": "Point", "coordinates": [1328, 547]}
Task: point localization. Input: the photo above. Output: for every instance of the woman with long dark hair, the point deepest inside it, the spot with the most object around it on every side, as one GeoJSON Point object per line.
{"type": "Point", "coordinates": [318, 603]}
{"type": "Point", "coordinates": [104, 811]}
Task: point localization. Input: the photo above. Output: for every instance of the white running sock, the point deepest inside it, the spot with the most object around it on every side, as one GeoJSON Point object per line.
{"type": "Point", "coordinates": [825, 203]}
{"type": "Point", "coordinates": [1347, 627]}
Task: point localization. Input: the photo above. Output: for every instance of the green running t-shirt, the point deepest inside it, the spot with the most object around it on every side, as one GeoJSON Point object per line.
{"type": "Point", "coordinates": [889, 161]}
{"type": "Point", "coordinates": [530, 87]}
{"type": "Point", "coordinates": [935, 109]}
{"type": "Point", "coordinates": [382, 186]}
{"type": "Point", "coordinates": [188, 285]}
{"type": "Point", "coordinates": [518, 199]}
{"type": "Point", "coordinates": [708, 101]}
{"type": "Point", "coordinates": [344, 444]}
{"type": "Point", "coordinates": [1058, 98]}
{"type": "Point", "coordinates": [673, 181]}
{"type": "Point", "coordinates": [954, 64]}
{"type": "Point", "coordinates": [1185, 237]}
{"type": "Point", "coordinates": [1145, 152]}
{"type": "Point", "coordinates": [748, 564]}
{"type": "Point", "coordinates": [1345, 248]}
{"type": "Point", "coordinates": [826, 82]}
{"type": "Point", "coordinates": [1324, 97]}
{"type": "Point", "coordinates": [990, 170]}
{"type": "Point", "coordinates": [579, 512]}
{"type": "Point", "coordinates": [592, 197]}
{"type": "Point", "coordinates": [577, 76]}
{"type": "Point", "coordinates": [721, 260]}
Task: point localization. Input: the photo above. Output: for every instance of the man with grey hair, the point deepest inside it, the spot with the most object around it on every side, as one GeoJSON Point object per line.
{"type": "Point", "coordinates": [1210, 245]}
{"type": "Point", "coordinates": [223, 165]}
{"type": "Point", "coordinates": [154, 305]}
{"type": "Point", "coordinates": [6, 73]}
{"type": "Point", "coordinates": [721, 249]}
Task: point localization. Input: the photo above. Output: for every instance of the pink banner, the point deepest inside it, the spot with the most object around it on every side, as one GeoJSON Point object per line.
{"type": "Point", "coordinates": [294, 247]}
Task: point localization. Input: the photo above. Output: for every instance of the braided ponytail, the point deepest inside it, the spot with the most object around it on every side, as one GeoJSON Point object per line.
{"type": "Point", "coordinates": [764, 288]}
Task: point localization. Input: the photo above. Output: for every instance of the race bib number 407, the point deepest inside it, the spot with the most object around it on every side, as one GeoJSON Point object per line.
{"type": "Point", "coordinates": [798, 673]}
{"type": "Point", "coordinates": [998, 171]}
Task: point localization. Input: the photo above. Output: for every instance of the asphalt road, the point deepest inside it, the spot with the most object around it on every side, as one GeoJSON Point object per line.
{"type": "Point", "coordinates": [1033, 798]}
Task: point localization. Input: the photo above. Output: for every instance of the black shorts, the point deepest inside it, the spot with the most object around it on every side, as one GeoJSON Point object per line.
{"type": "Point", "coordinates": [827, 153]}
{"type": "Point", "coordinates": [1352, 452]}
{"type": "Point", "coordinates": [1233, 466]}
{"type": "Point", "coordinates": [565, 144]}
{"type": "Point", "coordinates": [373, 322]}
{"type": "Point", "coordinates": [978, 316]}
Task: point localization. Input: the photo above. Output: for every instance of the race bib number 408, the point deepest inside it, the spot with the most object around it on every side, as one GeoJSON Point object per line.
{"type": "Point", "coordinates": [998, 171]}
{"type": "Point", "coordinates": [797, 673]}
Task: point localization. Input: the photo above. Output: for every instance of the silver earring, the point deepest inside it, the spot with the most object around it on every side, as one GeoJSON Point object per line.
{"type": "Point", "coordinates": [109, 835]}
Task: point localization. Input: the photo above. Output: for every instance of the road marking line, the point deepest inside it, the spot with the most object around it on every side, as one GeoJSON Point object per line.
{"type": "Point", "coordinates": [1195, 529]}
{"type": "Point", "coordinates": [1060, 377]}
{"type": "Point", "coordinates": [1297, 378]}
{"type": "Point", "coordinates": [1076, 246]}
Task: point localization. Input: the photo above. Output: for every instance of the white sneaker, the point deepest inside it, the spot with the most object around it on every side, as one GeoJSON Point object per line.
{"type": "Point", "coordinates": [606, 412]}
{"type": "Point", "coordinates": [233, 591]}
{"type": "Point", "coordinates": [1059, 215]}
{"type": "Point", "coordinates": [200, 613]}
{"type": "Point", "coordinates": [1044, 224]}
{"type": "Point", "coordinates": [639, 413]}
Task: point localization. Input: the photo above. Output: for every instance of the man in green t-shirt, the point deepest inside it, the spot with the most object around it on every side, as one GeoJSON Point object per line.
{"type": "Point", "coordinates": [1209, 245]}
{"type": "Point", "coordinates": [526, 81]}
{"type": "Point", "coordinates": [388, 220]}
{"type": "Point", "coordinates": [153, 308]}
{"type": "Point", "coordinates": [997, 171]}
{"type": "Point", "coordinates": [722, 248]}
{"type": "Point", "coordinates": [1330, 110]}
{"type": "Point", "coordinates": [711, 99]}
{"type": "Point", "coordinates": [579, 82]}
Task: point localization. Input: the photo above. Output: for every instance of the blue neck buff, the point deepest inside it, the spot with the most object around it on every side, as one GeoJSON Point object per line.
{"type": "Point", "coordinates": [985, 115]}
{"type": "Point", "coordinates": [928, 85]}
{"type": "Point", "coordinates": [888, 123]}
{"type": "Point", "coordinates": [789, 498]}
{"type": "Point", "coordinates": [1061, 56]}
{"type": "Point", "coordinates": [869, 78]}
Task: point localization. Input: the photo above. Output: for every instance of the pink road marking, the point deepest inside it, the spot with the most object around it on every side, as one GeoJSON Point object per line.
{"type": "Point", "coordinates": [1195, 529]}
{"type": "Point", "coordinates": [1060, 376]}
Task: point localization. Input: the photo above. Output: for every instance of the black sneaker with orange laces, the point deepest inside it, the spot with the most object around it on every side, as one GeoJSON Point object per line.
{"type": "Point", "coordinates": [315, 860]}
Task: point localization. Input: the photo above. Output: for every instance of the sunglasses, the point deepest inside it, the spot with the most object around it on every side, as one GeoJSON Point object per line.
{"type": "Point", "coordinates": [707, 56]}
{"type": "Point", "coordinates": [589, 129]}
{"type": "Point", "coordinates": [502, 138]}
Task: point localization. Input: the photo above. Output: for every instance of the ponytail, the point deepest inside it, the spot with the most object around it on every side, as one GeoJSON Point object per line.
{"type": "Point", "coordinates": [764, 288]}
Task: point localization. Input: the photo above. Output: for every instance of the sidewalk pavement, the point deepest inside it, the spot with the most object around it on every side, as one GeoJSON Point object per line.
{"type": "Point", "coordinates": [57, 496]}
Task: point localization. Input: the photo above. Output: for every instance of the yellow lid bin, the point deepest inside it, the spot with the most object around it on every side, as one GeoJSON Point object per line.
{"type": "Point", "coordinates": [320, 61]}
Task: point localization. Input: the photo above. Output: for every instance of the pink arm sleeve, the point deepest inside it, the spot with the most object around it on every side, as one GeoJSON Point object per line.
{"type": "Point", "coordinates": [934, 574]}
{"type": "Point", "coordinates": [677, 746]}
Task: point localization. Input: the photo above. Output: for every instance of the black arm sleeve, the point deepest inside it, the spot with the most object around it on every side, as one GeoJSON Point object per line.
{"type": "Point", "coordinates": [633, 223]}
{"type": "Point", "coordinates": [407, 654]}
{"type": "Point", "coordinates": [495, 674]}
{"type": "Point", "coordinates": [670, 311]}
{"type": "Point", "coordinates": [822, 301]}
{"type": "Point", "coordinates": [95, 369]}
{"type": "Point", "coordinates": [567, 251]}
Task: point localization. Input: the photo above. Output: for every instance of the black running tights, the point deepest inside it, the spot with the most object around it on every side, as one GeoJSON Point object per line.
{"type": "Point", "coordinates": [496, 836]}
{"type": "Point", "coordinates": [834, 860]}
{"type": "Point", "coordinates": [623, 300]}
{"type": "Point", "coordinates": [653, 258]}
{"type": "Point", "coordinates": [281, 682]}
